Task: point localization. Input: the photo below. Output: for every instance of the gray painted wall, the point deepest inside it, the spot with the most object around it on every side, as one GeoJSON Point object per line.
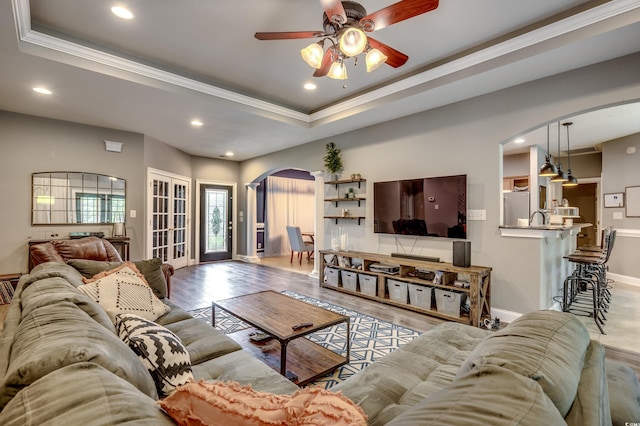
{"type": "Point", "coordinates": [620, 170]}
{"type": "Point", "coordinates": [466, 137]}
{"type": "Point", "coordinates": [462, 138]}
{"type": "Point", "coordinates": [30, 144]}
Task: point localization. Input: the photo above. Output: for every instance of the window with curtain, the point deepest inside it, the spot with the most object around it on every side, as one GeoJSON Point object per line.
{"type": "Point", "coordinates": [288, 202]}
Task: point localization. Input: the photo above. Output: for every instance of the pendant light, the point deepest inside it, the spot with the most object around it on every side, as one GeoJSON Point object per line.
{"type": "Point", "coordinates": [548, 169]}
{"type": "Point", "coordinates": [561, 176]}
{"type": "Point", "coordinates": [571, 180]}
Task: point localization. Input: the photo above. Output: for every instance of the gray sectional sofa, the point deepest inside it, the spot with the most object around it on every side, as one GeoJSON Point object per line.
{"type": "Point", "coordinates": [62, 363]}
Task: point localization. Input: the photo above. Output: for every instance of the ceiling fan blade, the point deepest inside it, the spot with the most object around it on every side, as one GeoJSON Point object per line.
{"type": "Point", "coordinates": [329, 56]}
{"type": "Point", "coordinates": [397, 12]}
{"type": "Point", "coordinates": [394, 58]}
{"type": "Point", "coordinates": [334, 10]}
{"type": "Point", "coordinates": [288, 35]}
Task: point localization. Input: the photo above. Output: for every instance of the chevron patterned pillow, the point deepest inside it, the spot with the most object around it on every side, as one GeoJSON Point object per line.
{"type": "Point", "coordinates": [161, 351]}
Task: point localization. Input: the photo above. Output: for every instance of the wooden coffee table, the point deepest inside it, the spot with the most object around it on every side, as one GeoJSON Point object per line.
{"type": "Point", "coordinates": [276, 314]}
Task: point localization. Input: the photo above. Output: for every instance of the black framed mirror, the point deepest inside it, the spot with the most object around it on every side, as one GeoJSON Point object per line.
{"type": "Point", "coordinates": [63, 198]}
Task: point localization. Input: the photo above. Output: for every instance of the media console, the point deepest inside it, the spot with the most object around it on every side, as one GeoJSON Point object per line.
{"type": "Point", "coordinates": [433, 288]}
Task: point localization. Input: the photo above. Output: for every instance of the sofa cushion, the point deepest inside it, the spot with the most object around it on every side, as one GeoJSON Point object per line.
{"type": "Point", "coordinates": [52, 336]}
{"type": "Point", "coordinates": [53, 269]}
{"type": "Point", "coordinates": [176, 314]}
{"type": "Point", "coordinates": [624, 393]}
{"type": "Point", "coordinates": [161, 351]}
{"type": "Point", "coordinates": [244, 368]}
{"type": "Point", "coordinates": [229, 403]}
{"type": "Point", "coordinates": [547, 346]}
{"type": "Point", "coordinates": [49, 291]}
{"type": "Point", "coordinates": [412, 373]}
{"type": "Point", "coordinates": [82, 394]}
{"type": "Point", "coordinates": [202, 340]}
{"type": "Point", "coordinates": [124, 290]}
{"type": "Point", "coordinates": [478, 398]}
{"type": "Point", "coordinates": [591, 406]}
{"type": "Point", "coordinates": [150, 268]}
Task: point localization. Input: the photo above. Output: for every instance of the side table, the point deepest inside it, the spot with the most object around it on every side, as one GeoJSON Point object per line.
{"type": "Point", "coordinates": [121, 244]}
{"type": "Point", "coordinates": [13, 279]}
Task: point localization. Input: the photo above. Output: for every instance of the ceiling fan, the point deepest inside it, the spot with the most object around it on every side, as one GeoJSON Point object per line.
{"type": "Point", "coordinates": [344, 26]}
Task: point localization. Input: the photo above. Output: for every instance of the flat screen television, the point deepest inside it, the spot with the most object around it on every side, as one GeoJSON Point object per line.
{"type": "Point", "coordinates": [432, 207]}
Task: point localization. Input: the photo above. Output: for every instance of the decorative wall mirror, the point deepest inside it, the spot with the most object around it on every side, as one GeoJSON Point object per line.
{"type": "Point", "coordinates": [62, 198]}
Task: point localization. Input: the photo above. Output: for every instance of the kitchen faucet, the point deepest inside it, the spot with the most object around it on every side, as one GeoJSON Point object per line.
{"type": "Point", "coordinates": [544, 218]}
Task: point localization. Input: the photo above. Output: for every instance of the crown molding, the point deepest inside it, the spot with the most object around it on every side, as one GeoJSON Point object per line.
{"type": "Point", "coordinates": [65, 52]}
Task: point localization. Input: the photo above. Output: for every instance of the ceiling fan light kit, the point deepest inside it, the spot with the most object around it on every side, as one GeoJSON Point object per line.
{"type": "Point", "coordinates": [345, 24]}
{"type": "Point", "coordinates": [313, 53]}
{"type": "Point", "coordinates": [338, 71]}
{"type": "Point", "coordinates": [374, 59]}
{"type": "Point", "coordinates": [353, 41]}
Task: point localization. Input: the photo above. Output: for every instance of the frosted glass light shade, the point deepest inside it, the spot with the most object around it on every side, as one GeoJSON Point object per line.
{"type": "Point", "coordinates": [374, 59]}
{"type": "Point", "coordinates": [338, 71]}
{"type": "Point", "coordinates": [313, 54]}
{"type": "Point", "coordinates": [353, 42]}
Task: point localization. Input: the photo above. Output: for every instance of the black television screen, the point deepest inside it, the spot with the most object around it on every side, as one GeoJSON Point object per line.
{"type": "Point", "coordinates": [433, 207]}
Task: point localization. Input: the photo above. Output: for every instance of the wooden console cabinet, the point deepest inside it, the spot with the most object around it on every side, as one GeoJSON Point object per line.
{"type": "Point", "coordinates": [411, 272]}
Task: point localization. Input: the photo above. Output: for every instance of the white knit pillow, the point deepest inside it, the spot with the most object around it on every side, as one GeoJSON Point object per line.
{"type": "Point", "coordinates": [161, 351]}
{"type": "Point", "coordinates": [124, 290]}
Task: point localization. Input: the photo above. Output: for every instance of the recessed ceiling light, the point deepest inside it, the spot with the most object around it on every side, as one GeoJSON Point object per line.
{"type": "Point", "coordinates": [310, 86]}
{"type": "Point", "coordinates": [42, 90]}
{"type": "Point", "coordinates": [196, 123]}
{"type": "Point", "coordinates": [122, 12]}
{"type": "Point", "coordinates": [228, 154]}
{"type": "Point", "coordinates": [518, 140]}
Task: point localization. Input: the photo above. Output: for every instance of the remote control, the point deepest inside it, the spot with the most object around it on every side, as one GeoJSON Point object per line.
{"type": "Point", "coordinates": [301, 325]}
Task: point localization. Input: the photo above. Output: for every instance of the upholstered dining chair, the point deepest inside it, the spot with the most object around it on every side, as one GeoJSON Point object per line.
{"type": "Point", "coordinates": [298, 244]}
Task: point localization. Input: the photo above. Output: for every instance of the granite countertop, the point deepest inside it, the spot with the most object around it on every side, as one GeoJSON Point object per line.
{"type": "Point", "coordinates": [550, 227]}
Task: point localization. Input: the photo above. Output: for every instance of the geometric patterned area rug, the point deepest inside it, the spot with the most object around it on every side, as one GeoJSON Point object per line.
{"type": "Point", "coordinates": [371, 338]}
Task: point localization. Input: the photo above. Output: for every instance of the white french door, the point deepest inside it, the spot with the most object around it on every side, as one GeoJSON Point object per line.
{"type": "Point", "coordinates": [168, 218]}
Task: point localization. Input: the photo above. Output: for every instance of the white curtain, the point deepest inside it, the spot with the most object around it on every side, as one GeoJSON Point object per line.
{"type": "Point", "coordinates": [288, 202]}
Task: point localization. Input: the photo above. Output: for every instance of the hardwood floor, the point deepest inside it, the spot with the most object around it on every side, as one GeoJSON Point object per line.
{"type": "Point", "coordinates": [196, 286]}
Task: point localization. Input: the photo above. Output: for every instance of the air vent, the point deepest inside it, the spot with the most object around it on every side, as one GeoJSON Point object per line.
{"type": "Point", "coordinates": [582, 151]}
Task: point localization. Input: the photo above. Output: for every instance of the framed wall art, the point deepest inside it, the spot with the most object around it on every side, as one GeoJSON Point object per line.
{"type": "Point", "coordinates": [632, 196]}
{"type": "Point", "coordinates": [615, 199]}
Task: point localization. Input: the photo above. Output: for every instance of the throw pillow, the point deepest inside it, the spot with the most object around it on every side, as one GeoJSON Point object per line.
{"type": "Point", "coordinates": [150, 268]}
{"type": "Point", "coordinates": [161, 351]}
{"type": "Point", "coordinates": [226, 403]}
{"type": "Point", "coordinates": [124, 290]}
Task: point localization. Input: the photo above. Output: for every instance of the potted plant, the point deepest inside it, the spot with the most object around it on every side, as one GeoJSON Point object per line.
{"type": "Point", "coordinates": [333, 160]}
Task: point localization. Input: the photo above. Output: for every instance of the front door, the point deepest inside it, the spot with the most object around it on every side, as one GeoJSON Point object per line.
{"type": "Point", "coordinates": [584, 196]}
{"type": "Point", "coordinates": [216, 225]}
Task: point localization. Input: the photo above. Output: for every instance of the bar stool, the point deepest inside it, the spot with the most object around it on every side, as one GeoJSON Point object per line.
{"type": "Point", "coordinates": [589, 276]}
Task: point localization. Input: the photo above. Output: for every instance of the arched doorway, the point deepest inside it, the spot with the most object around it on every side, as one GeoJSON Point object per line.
{"type": "Point", "coordinates": [276, 199]}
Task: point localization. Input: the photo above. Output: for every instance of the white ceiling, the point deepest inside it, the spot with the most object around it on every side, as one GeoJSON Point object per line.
{"type": "Point", "coordinates": [176, 61]}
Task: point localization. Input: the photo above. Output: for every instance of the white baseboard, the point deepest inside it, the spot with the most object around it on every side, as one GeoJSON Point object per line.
{"type": "Point", "coordinates": [624, 279]}
{"type": "Point", "coordinates": [249, 259]}
{"type": "Point", "coordinates": [504, 315]}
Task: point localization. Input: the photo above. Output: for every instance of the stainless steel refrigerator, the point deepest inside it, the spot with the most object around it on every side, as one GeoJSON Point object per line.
{"type": "Point", "coordinates": [516, 206]}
